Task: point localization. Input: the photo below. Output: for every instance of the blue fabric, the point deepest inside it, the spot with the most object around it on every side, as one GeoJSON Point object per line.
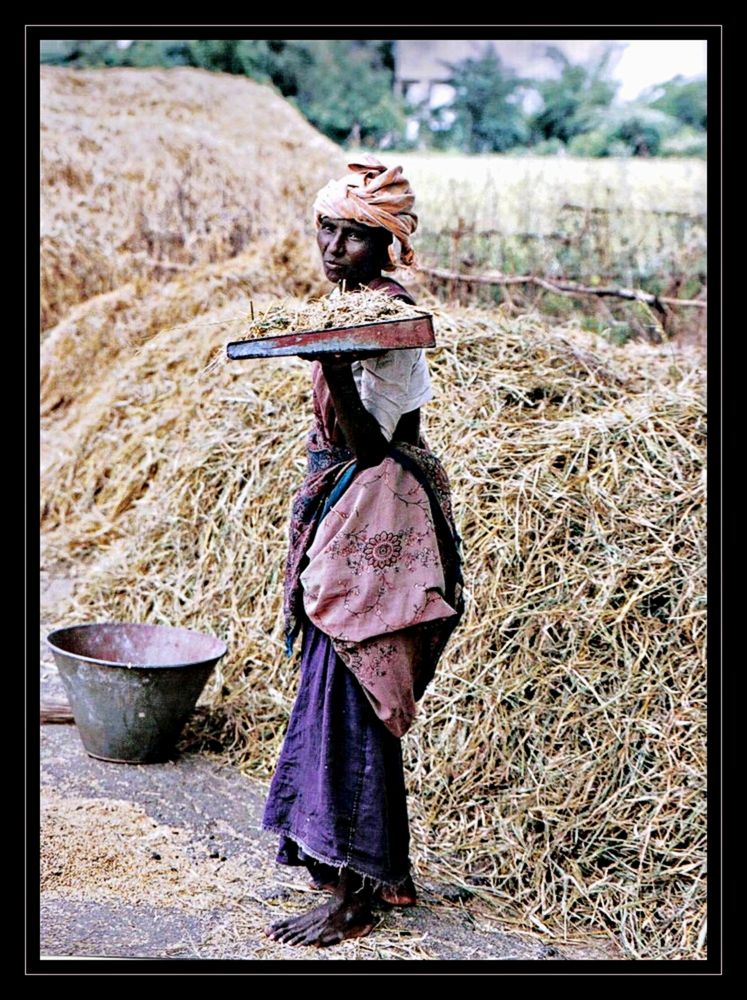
{"type": "Point", "coordinates": [338, 793]}
{"type": "Point", "coordinates": [339, 488]}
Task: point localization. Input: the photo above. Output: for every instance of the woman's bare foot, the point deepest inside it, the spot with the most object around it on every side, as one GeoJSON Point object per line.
{"type": "Point", "coordinates": [401, 895]}
{"type": "Point", "coordinates": [346, 915]}
{"type": "Point", "coordinates": [325, 925]}
{"type": "Point", "coordinates": [322, 886]}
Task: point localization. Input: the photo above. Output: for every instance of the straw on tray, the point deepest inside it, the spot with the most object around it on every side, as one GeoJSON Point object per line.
{"type": "Point", "coordinates": [337, 311]}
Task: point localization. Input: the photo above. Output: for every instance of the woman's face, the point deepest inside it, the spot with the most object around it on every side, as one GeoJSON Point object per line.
{"type": "Point", "coordinates": [351, 251]}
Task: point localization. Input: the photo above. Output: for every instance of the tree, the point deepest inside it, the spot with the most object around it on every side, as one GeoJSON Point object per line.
{"type": "Point", "coordinates": [629, 130]}
{"type": "Point", "coordinates": [56, 51]}
{"type": "Point", "coordinates": [92, 52]}
{"type": "Point", "coordinates": [152, 52]}
{"type": "Point", "coordinates": [684, 99]}
{"type": "Point", "coordinates": [486, 105]}
{"type": "Point", "coordinates": [96, 52]}
{"type": "Point", "coordinates": [346, 91]}
{"type": "Point", "coordinates": [344, 88]}
{"type": "Point", "coordinates": [572, 101]}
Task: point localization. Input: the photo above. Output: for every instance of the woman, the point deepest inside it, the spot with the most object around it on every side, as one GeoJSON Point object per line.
{"type": "Point", "coordinates": [372, 580]}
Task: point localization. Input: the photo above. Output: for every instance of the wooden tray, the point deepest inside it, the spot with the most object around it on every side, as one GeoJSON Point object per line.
{"type": "Point", "coordinates": [388, 335]}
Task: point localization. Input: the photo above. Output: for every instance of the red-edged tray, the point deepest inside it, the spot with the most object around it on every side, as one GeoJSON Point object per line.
{"type": "Point", "coordinates": [388, 335]}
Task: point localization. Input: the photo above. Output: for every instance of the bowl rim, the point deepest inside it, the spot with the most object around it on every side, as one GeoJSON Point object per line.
{"type": "Point", "coordinates": [134, 666]}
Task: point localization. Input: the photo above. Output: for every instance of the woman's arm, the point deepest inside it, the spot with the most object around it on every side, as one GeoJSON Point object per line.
{"type": "Point", "coordinates": [362, 432]}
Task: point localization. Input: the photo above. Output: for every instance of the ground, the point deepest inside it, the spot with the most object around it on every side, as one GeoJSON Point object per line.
{"type": "Point", "coordinates": [168, 860]}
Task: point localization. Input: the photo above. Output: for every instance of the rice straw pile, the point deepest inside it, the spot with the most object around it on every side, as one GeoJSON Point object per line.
{"type": "Point", "coordinates": [147, 170]}
{"type": "Point", "coordinates": [557, 770]}
{"type": "Point", "coordinates": [93, 335]}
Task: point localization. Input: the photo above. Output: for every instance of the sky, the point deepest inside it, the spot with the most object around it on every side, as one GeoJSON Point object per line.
{"type": "Point", "coordinates": [644, 63]}
{"type": "Point", "coordinates": [635, 64]}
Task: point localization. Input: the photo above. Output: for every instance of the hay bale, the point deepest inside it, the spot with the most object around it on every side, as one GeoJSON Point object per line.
{"type": "Point", "coordinates": [558, 770]}
{"type": "Point", "coordinates": [146, 168]}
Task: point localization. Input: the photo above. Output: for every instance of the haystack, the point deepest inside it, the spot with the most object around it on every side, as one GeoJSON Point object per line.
{"type": "Point", "coordinates": [557, 770]}
{"type": "Point", "coordinates": [144, 169]}
{"type": "Point", "coordinates": [93, 335]}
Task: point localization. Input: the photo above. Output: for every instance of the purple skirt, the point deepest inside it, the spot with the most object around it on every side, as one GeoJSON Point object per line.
{"type": "Point", "coordinates": [337, 797]}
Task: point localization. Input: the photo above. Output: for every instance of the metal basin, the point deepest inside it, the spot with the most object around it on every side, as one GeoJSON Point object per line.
{"type": "Point", "coordinates": [132, 687]}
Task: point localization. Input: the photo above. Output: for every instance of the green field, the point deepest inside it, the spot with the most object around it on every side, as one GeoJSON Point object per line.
{"type": "Point", "coordinates": [630, 219]}
{"type": "Point", "coordinates": [623, 221]}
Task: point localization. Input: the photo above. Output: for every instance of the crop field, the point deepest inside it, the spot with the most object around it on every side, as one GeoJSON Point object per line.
{"type": "Point", "coordinates": [628, 222]}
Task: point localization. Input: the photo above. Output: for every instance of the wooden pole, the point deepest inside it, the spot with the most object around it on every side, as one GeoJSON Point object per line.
{"type": "Point", "coordinates": [562, 287]}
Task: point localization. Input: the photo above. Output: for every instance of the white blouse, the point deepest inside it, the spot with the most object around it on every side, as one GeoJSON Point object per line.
{"type": "Point", "coordinates": [392, 384]}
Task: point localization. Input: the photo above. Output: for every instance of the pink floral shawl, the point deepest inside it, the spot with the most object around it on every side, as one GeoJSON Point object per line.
{"type": "Point", "coordinates": [380, 571]}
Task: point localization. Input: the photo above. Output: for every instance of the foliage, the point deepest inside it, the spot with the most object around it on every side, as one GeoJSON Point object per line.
{"type": "Point", "coordinates": [486, 108]}
{"type": "Point", "coordinates": [685, 142]}
{"type": "Point", "coordinates": [265, 60]}
{"type": "Point", "coordinates": [596, 142]}
{"type": "Point", "coordinates": [86, 53]}
{"type": "Point", "coordinates": [149, 52]}
{"type": "Point", "coordinates": [683, 99]}
{"type": "Point", "coordinates": [571, 101]}
{"type": "Point", "coordinates": [345, 89]}
{"type": "Point", "coordinates": [631, 130]}
{"type": "Point", "coordinates": [546, 147]}
{"type": "Point", "coordinates": [94, 52]}
{"type": "Point", "coordinates": [642, 137]}
{"type": "Point", "coordinates": [55, 52]}
{"type": "Point", "coordinates": [347, 92]}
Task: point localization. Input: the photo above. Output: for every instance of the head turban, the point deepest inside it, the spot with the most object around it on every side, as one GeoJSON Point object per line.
{"type": "Point", "coordinates": [373, 195]}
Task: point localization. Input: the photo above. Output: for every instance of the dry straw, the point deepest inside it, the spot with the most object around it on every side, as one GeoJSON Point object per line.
{"type": "Point", "coordinates": [334, 311]}
{"type": "Point", "coordinates": [94, 334]}
{"type": "Point", "coordinates": [147, 170]}
{"type": "Point", "coordinates": [557, 770]}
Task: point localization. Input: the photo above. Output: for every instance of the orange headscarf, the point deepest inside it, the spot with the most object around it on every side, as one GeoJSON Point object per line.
{"type": "Point", "coordinates": [373, 195]}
